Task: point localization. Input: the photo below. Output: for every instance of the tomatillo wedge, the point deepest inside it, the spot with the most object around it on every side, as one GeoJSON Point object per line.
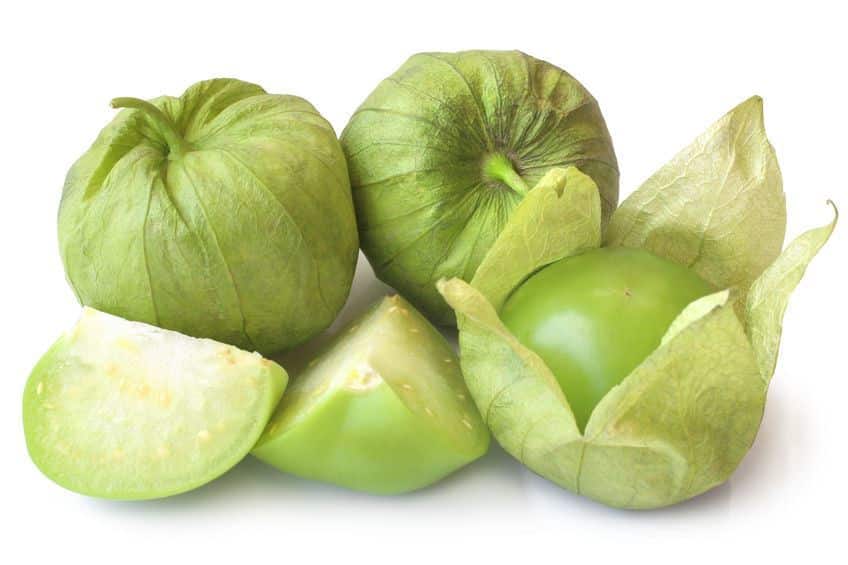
{"type": "Point", "coordinates": [123, 410]}
{"type": "Point", "coordinates": [594, 317]}
{"type": "Point", "coordinates": [383, 410]}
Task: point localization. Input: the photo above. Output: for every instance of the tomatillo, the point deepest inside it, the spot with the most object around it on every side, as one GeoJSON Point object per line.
{"type": "Point", "coordinates": [595, 317]}
{"type": "Point", "coordinates": [383, 409]}
{"type": "Point", "coordinates": [127, 411]}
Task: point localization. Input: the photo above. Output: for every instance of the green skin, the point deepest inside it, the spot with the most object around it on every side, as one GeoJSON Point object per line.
{"type": "Point", "coordinates": [383, 410]}
{"type": "Point", "coordinates": [223, 213]}
{"type": "Point", "coordinates": [121, 410]}
{"type": "Point", "coordinates": [442, 151]}
{"type": "Point", "coordinates": [594, 317]}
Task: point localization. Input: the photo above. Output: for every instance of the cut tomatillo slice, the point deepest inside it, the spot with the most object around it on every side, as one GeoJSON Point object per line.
{"type": "Point", "coordinates": [384, 409]}
{"type": "Point", "coordinates": [124, 410]}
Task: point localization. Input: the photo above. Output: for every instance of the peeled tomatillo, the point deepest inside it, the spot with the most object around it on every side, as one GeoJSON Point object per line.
{"type": "Point", "coordinates": [594, 317]}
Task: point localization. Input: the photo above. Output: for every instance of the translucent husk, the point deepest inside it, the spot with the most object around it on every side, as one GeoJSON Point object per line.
{"type": "Point", "coordinates": [682, 421]}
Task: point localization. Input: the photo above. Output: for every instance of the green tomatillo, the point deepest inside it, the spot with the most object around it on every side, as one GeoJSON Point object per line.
{"type": "Point", "coordinates": [223, 213]}
{"type": "Point", "coordinates": [595, 316]}
{"type": "Point", "coordinates": [599, 357]}
{"type": "Point", "coordinates": [443, 151]}
{"type": "Point", "coordinates": [384, 409]}
{"type": "Point", "coordinates": [123, 410]}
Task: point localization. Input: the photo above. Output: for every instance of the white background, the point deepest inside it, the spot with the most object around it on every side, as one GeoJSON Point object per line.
{"type": "Point", "coordinates": [661, 74]}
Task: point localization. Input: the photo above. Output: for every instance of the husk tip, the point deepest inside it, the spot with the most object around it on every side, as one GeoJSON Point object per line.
{"type": "Point", "coordinates": [443, 283]}
{"type": "Point", "coordinates": [832, 204]}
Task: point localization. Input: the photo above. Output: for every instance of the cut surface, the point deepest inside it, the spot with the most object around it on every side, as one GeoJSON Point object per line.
{"type": "Point", "coordinates": [124, 410]}
{"type": "Point", "coordinates": [383, 410]}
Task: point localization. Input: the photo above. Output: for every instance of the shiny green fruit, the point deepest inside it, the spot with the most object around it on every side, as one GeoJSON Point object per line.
{"type": "Point", "coordinates": [594, 317]}
{"type": "Point", "coordinates": [122, 410]}
{"type": "Point", "coordinates": [384, 409]}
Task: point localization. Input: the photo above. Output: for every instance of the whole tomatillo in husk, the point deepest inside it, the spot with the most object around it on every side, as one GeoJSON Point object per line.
{"type": "Point", "coordinates": [224, 213]}
{"type": "Point", "coordinates": [443, 151]}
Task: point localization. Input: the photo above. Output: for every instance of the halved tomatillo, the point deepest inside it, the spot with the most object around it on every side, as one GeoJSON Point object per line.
{"type": "Point", "coordinates": [123, 410]}
{"type": "Point", "coordinates": [384, 409]}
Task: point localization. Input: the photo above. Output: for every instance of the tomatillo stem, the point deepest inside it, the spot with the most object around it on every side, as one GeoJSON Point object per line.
{"type": "Point", "coordinates": [176, 144]}
{"type": "Point", "coordinates": [499, 167]}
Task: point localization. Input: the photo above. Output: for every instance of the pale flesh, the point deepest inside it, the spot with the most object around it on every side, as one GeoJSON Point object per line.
{"type": "Point", "coordinates": [124, 410]}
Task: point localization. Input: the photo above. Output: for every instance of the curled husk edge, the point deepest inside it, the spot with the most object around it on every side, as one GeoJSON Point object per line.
{"type": "Point", "coordinates": [682, 421]}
